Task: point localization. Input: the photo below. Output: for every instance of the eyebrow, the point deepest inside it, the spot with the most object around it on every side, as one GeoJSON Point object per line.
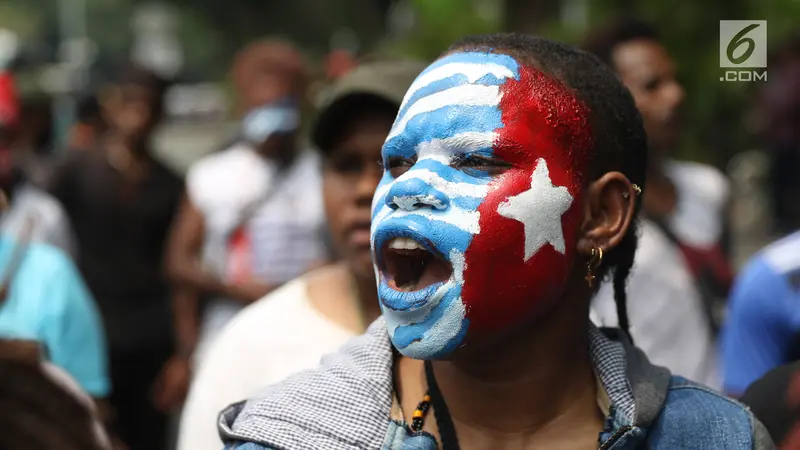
{"type": "Point", "coordinates": [470, 141]}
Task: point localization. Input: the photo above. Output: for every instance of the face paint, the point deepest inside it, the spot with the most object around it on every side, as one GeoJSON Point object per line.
{"type": "Point", "coordinates": [477, 235]}
{"type": "Point", "coordinates": [262, 122]}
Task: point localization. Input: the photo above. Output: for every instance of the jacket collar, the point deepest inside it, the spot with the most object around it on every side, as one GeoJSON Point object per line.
{"type": "Point", "coordinates": [345, 402]}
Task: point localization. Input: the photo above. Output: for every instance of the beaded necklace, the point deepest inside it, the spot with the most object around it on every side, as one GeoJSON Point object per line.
{"type": "Point", "coordinates": [447, 431]}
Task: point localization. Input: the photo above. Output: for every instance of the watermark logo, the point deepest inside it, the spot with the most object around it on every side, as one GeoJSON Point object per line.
{"type": "Point", "coordinates": [743, 50]}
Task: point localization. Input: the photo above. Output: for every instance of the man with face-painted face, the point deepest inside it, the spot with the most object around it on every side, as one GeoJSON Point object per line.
{"type": "Point", "coordinates": [252, 217]}
{"type": "Point", "coordinates": [509, 190]}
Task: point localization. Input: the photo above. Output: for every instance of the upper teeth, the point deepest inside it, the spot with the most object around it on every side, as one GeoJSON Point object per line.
{"type": "Point", "coordinates": [404, 244]}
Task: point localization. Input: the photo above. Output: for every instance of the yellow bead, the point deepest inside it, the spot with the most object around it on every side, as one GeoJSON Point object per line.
{"type": "Point", "coordinates": [417, 414]}
{"type": "Point", "coordinates": [427, 398]}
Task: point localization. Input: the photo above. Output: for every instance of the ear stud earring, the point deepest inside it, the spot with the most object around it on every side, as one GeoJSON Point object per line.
{"type": "Point", "coordinates": [636, 189]}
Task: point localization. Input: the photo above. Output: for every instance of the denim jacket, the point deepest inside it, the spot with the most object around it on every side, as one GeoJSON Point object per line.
{"type": "Point", "coordinates": [346, 403]}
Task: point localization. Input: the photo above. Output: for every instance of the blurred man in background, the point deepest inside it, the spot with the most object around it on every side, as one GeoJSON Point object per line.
{"type": "Point", "coordinates": [762, 330]}
{"type": "Point", "coordinates": [292, 328]}
{"type": "Point", "coordinates": [121, 202]}
{"type": "Point", "coordinates": [252, 215]}
{"type": "Point", "coordinates": [42, 296]}
{"type": "Point", "coordinates": [30, 209]}
{"type": "Point", "coordinates": [681, 275]}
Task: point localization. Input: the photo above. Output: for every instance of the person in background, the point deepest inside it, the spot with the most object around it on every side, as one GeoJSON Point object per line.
{"type": "Point", "coordinates": [43, 298]}
{"type": "Point", "coordinates": [293, 327]}
{"type": "Point", "coordinates": [43, 407]}
{"type": "Point", "coordinates": [252, 217]}
{"type": "Point", "coordinates": [775, 401]}
{"type": "Point", "coordinates": [338, 63]}
{"type": "Point", "coordinates": [121, 201]}
{"type": "Point", "coordinates": [763, 321]}
{"type": "Point", "coordinates": [30, 209]}
{"type": "Point", "coordinates": [762, 330]}
{"type": "Point", "coordinates": [681, 276]}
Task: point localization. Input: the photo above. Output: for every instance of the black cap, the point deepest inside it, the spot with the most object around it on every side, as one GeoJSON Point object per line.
{"type": "Point", "coordinates": [383, 80]}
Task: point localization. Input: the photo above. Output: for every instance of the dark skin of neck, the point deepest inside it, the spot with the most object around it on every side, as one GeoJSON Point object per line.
{"type": "Point", "coordinates": [535, 389]}
{"type": "Point", "coordinates": [128, 154]}
{"type": "Point", "coordinates": [280, 148]}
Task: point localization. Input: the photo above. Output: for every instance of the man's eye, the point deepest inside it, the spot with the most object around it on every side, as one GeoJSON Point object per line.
{"type": "Point", "coordinates": [652, 85]}
{"type": "Point", "coordinates": [344, 163]}
{"type": "Point", "coordinates": [397, 165]}
{"type": "Point", "coordinates": [479, 164]}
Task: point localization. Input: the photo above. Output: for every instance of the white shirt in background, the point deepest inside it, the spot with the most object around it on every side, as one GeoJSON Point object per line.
{"type": "Point", "coordinates": [703, 193]}
{"type": "Point", "coordinates": [267, 341]}
{"type": "Point", "coordinates": [286, 227]}
{"type": "Point", "coordinates": [49, 220]}
{"type": "Point", "coordinates": [665, 309]}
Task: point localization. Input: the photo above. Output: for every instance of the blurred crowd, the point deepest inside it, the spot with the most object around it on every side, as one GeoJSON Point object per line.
{"type": "Point", "coordinates": [138, 302]}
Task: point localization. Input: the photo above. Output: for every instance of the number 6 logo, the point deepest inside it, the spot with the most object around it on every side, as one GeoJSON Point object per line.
{"type": "Point", "coordinates": [742, 43]}
{"type": "Point", "coordinates": [738, 40]}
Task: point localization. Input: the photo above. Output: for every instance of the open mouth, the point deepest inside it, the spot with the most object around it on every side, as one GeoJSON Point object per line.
{"type": "Point", "coordinates": [409, 266]}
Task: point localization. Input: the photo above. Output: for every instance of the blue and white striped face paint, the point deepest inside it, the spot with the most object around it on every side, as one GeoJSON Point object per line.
{"type": "Point", "coordinates": [428, 199]}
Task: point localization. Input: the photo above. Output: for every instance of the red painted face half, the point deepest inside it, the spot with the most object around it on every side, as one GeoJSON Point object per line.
{"type": "Point", "coordinates": [476, 218]}
{"type": "Point", "coordinates": [529, 221]}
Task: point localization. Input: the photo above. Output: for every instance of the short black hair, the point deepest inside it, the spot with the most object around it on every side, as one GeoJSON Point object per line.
{"type": "Point", "coordinates": [135, 75]}
{"type": "Point", "coordinates": [603, 40]}
{"type": "Point", "coordinates": [337, 118]}
{"type": "Point", "coordinates": [620, 143]}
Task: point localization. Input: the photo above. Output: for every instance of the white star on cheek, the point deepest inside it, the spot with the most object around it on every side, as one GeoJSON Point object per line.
{"type": "Point", "coordinates": [539, 209]}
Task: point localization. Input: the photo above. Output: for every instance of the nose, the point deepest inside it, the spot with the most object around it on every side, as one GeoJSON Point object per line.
{"type": "Point", "coordinates": [412, 193]}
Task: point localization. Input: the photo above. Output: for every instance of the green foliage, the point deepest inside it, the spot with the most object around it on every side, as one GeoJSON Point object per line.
{"type": "Point", "coordinates": [212, 30]}
{"type": "Point", "coordinates": [21, 19]}
{"type": "Point", "coordinates": [438, 24]}
{"type": "Point", "coordinates": [714, 110]}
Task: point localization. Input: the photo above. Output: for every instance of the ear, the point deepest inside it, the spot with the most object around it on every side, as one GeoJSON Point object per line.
{"type": "Point", "coordinates": [609, 209]}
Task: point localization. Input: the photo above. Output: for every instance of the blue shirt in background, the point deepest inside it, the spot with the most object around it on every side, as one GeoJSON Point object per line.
{"type": "Point", "coordinates": [48, 302]}
{"type": "Point", "coordinates": [763, 323]}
